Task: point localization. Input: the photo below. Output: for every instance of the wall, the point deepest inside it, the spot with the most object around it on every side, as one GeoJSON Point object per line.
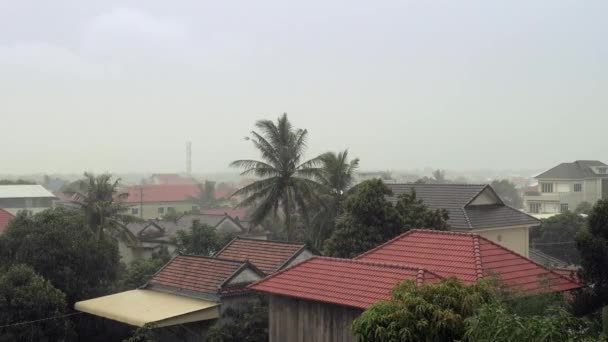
{"type": "Point", "coordinates": [298, 320]}
{"type": "Point", "coordinates": [514, 238]}
{"type": "Point", "coordinates": [305, 254]}
{"type": "Point", "coordinates": [34, 205]}
{"type": "Point", "coordinates": [150, 209]}
{"type": "Point", "coordinates": [563, 193]}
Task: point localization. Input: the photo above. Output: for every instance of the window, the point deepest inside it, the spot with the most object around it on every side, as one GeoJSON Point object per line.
{"type": "Point", "coordinates": [546, 187]}
{"type": "Point", "coordinates": [602, 170]}
{"type": "Point", "coordinates": [161, 210]}
{"type": "Point", "coordinates": [535, 207]}
{"type": "Point", "coordinates": [563, 208]}
{"type": "Point", "coordinates": [134, 211]}
{"type": "Point", "coordinates": [171, 210]}
{"type": "Point", "coordinates": [578, 187]}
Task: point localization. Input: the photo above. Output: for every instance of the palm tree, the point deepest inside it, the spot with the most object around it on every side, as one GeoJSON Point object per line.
{"type": "Point", "coordinates": [336, 177]}
{"type": "Point", "coordinates": [101, 203]}
{"type": "Point", "coordinates": [285, 181]}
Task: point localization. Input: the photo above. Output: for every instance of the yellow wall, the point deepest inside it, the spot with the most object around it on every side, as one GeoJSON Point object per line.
{"type": "Point", "coordinates": [150, 210]}
{"type": "Point", "coordinates": [514, 238]}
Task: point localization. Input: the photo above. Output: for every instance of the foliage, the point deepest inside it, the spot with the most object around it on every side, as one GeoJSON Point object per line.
{"type": "Point", "coordinates": [592, 244]}
{"type": "Point", "coordinates": [439, 176]}
{"type": "Point", "coordinates": [248, 325]}
{"type": "Point", "coordinates": [434, 312]}
{"type": "Point", "coordinates": [16, 182]}
{"type": "Point", "coordinates": [583, 208]}
{"type": "Point", "coordinates": [285, 181]}
{"type": "Point", "coordinates": [140, 270]}
{"type": "Point", "coordinates": [555, 236]}
{"type": "Point", "coordinates": [336, 177]}
{"type": "Point", "coordinates": [57, 244]}
{"type": "Point", "coordinates": [24, 297]}
{"type": "Point", "coordinates": [508, 193]}
{"type": "Point", "coordinates": [201, 239]}
{"type": "Point", "coordinates": [142, 334]}
{"type": "Point", "coordinates": [494, 323]}
{"type": "Point", "coordinates": [206, 195]}
{"type": "Point", "coordinates": [369, 219]}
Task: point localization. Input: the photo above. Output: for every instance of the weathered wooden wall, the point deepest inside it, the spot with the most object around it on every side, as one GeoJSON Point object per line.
{"type": "Point", "coordinates": [296, 320]}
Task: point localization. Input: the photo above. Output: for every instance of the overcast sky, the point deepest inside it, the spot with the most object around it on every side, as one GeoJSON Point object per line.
{"type": "Point", "coordinates": [120, 85]}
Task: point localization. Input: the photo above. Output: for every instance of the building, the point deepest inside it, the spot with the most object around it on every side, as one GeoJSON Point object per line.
{"type": "Point", "coordinates": [565, 186]}
{"type": "Point", "coordinates": [34, 198]}
{"type": "Point", "coordinates": [267, 255]}
{"type": "Point", "coordinates": [317, 299]}
{"type": "Point", "coordinates": [182, 299]}
{"type": "Point", "coordinates": [171, 178]}
{"type": "Point", "coordinates": [5, 218]}
{"type": "Point", "coordinates": [151, 201]}
{"type": "Point", "coordinates": [475, 208]}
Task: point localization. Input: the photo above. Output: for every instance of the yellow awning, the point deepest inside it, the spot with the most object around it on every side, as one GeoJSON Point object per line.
{"type": "Point", "coordinates": [139, 307]}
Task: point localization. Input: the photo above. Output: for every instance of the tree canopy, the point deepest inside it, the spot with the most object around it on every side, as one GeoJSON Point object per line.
{"type": "Point", "coordinates": [201, 239]}
{"type": "Point", "coordinates": [508, 192]}
{"type": "Point", "coordinates": [555, 236]}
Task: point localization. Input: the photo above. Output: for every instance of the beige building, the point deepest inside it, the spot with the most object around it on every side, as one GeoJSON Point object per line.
{"type": "Point", "coordinates": [33, 198]}
{"type": "Point", "coordinates": [152, 201]}
{"type": "Point", "coordinates": [475, 208]}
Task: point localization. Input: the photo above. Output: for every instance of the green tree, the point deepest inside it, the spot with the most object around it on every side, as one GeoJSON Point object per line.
{"type": "Point", "coordinates": [508, 193]}
{"type": "Point", "coordinates": [139, 271]}
{"type": "Point", "coordinates": [434, 312]}
{"type": "Point", "coordinates": [102, 207]}
{"type": "Point", "coordinates": [206, 195]}
{"type": "Point", "coordinates": [415, 214]}
{"type": "Point", "coordinates": [285, 180]}
{"type": "Point", "coordinates": [336, 177]}
{"type": "Point", "coordinates": [583, 208]}
{"type": "Point", "coordinates": [439, 176]}
{"type": "Point", "coordinates": [25, 297]}
{"type": "Point", "coordinates": [248, 324]}
{"type": "Point", "coordinates": [592, 244]}
{"type": "Point", "coordinates": [200, 239]}
{"type": "Point", "coordinates": [16, 182]}
{"type": "Point", "coordinates": [556, 236]}
{"type": "Point", "coordinates": [57, 244]}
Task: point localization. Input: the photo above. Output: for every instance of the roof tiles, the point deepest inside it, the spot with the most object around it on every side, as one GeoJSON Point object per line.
{"type": "Point", "coordinates": [161, 193]}
{"type": "Point", "coordinates": [269, 256]}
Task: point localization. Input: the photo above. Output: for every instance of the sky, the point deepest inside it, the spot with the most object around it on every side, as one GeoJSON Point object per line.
{"type": "Point", "coordinates": [121, 85]}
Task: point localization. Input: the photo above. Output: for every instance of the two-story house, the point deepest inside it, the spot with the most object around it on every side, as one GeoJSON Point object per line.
{"type": "Point", "coordinates": [565, 186]}
{"type": "Point", "coordinates": [34, 198]}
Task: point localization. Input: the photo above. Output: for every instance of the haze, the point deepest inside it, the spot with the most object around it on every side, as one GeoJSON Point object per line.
{"type": "Point", "coordinates": [121, 85]}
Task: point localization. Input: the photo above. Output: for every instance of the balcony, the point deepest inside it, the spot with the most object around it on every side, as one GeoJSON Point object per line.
{"type": "Point", "coordinates": [545, 196]}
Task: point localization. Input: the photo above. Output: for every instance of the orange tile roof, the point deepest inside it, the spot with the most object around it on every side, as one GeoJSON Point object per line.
{"type": "Point", "coordinates": [269, 256]}
{"type": "Point", "coordinates": [5, 218]}
{"type": "Point", "coordinates": [469, 257]}
{"type": "Point", "coordinates": [345, 282]}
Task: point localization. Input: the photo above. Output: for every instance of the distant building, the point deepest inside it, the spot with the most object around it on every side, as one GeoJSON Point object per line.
{"type": "Point", "coordinates": [565, 186]}
{"type": "Point", "coordinates": [475, 208]}
{"type": "Point", "coordinates": [34, 198]}
{"type": "Point", "coordinates": [151, 201]}
{"type": "Point", "coordinates": [5, 218]}
{"type": "Point", "coordinates": [171, 178]}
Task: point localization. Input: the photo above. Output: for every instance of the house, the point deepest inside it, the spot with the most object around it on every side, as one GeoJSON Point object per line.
{"type": "Point", "coordinates": [152, 201]}
{"type": "Point", "coordinates": [182, 299]}
{"type": "Point", "coordinates": [565, 186]}
{"type": "Point", "coordinates": [317, 299]}
{"type": "Point", "coordinates": [171, 178]}
{"type": "Point", "coordinates": [154, 234]}
{"type": "Point", "coordinates": [5, 218]}
{"type": "Point", "coordinates": [34, 198]}
{"type": "Point", "coordinates": [474, 208]}
{"type": "Point", "coordinates": [267, 255]}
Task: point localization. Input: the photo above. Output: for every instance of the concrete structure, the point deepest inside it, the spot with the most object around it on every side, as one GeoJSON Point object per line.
{"type": "Point", "coordinates": [565, 186]}
{"type": "Point", "coordinates": [474, 208]}
{"type": "Point", "coordinates": [34, 198]}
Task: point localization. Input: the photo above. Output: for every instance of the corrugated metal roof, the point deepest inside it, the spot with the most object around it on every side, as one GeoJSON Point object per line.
{"type": "Point", "coordinates": [24, 191]}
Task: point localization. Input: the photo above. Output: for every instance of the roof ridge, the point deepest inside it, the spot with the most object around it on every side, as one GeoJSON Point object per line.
{"type": "Point", "coordinates": [477, 256]}
{"type": "Point", "coordinates": [376, 263]}
{"type": "Point", "coordinates": [272, 241]}
{"type": "Point", "coordinates": [443, 184]}
{"type": "Point", "coordinates": [212, 258]}
{"type": "Point", "coordinates": [450, 232]}
{"type": "Point", "coordinates": [280, 272]}
{"type": "Point", "coordinates": [466, 216]}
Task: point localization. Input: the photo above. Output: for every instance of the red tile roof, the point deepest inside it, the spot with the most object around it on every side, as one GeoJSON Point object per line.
{"type": "Point", "coordinates": [160, 193]}
{"type": "Point", "coordinates": [268, 256]}
{"type": "Point", "coordinates": [469, 257]}
{"type": "Point", "coordinates": [5, 218]}
{"type": "Point", "coordinates": [345, 282]}
{"type": "Point", "coordinates": [197, 273]}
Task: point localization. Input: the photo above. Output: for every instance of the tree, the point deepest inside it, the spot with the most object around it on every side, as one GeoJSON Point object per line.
{"type": "Point", "coordinates": [336, 176]}
{"type": "Point", "coordinates": [583, 208]}
{"type": "Point", "coordinates": [25, 297]}
{"type": "Point", "coordinates": [369, 219]}
{"type": "Point", "coordinates": [439, 176]}
{"type": "Point", "coordinates": [57, 244]}
{"type": "Point", "coordinates": [508, 193]}
{"type": "Point", "coordinates": [100, 202]}
{"type": "Point", "coordinates": [201, 239]}
{"type": "Point", "coordinates": [285, 181]}
{"type": "Point", "coordinates": [140, 270]}
{"type": "Point", "coordinates": [434, 312]}
{"type": "Point", "coordinates": [247, 324]}
{"type": "Point", "coordinates": [16, 182]}
{"type": "Point", "coordinates": [555, 236]}
{"type": "Point", "coordinates": [206, 195]}
{"type": "Point", "coordinates": [592, 245]}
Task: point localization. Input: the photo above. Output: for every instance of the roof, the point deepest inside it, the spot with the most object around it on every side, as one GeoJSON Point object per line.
{"type": "Point", "coordinates": [346, 282]}
{"type": "Point", "coordinates": [269, 256]}
{"type": "Point", "coordinates": [24, 191]}
{"type": "Point", "coordinates": [5, 218]}
{"type": "Point", "coordinates": [160, 193]}
{"type": "Point", "coordinates": [198, 274]}
{"type": "Point", "coordinates": [459, 201]}
{"type": "Point", "coordinates": [240, 213]}
{"type": "Point", "coordinates": [546, 259]}
{"type": "Point", "coordinates": [575, 170]}
{"type": "Point", "coordinates": [140, 307]}
{"type": "Point", "coordinates": [469, 257]}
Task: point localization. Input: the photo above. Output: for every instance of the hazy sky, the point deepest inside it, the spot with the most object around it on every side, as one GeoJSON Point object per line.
{"type": "Point", "coordinates": [120, 85]}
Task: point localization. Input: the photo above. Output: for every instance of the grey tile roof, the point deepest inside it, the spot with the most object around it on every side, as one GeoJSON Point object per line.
{"type": "Point", "coordinates": [575, 170]}
{"type": "Point", "coordinates": [546, 259]}
{"type": "Point", "coordinates": [455, 198]}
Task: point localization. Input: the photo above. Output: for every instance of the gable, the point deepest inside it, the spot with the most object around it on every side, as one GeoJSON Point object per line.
{"type": "Point", "coordinates": [246, 275]}
{"type": "Point", "coordinates": [228, 226]}
{"type": "Point", "coordinates": [486, 197]}
{"type": "Point", "coordinates": [304, 254]}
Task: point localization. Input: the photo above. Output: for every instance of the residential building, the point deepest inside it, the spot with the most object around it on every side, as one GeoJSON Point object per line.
{"type": "Point", "coordinates": [171, 178]}
{"type": "Point", "coordinates": [474, 208]}
{"type": "Point", "coordinates": [565, 186]}
{"type": "Point", "coordinates": [182, 299]}
{"type": "Point", "coordinates": [5, 218]}
{"type": "Point", "coordinates": [151, 201]}
{"type": "Point", "coordinates": [34, 198]}
{"type": "Point", "coordinates": [317, 299]}
{"type": "Point", "coordinates": [267, 255]}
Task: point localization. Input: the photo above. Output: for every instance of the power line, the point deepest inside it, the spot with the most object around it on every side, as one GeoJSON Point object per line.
{"type": "Point", "coordinates": [39, 320]}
